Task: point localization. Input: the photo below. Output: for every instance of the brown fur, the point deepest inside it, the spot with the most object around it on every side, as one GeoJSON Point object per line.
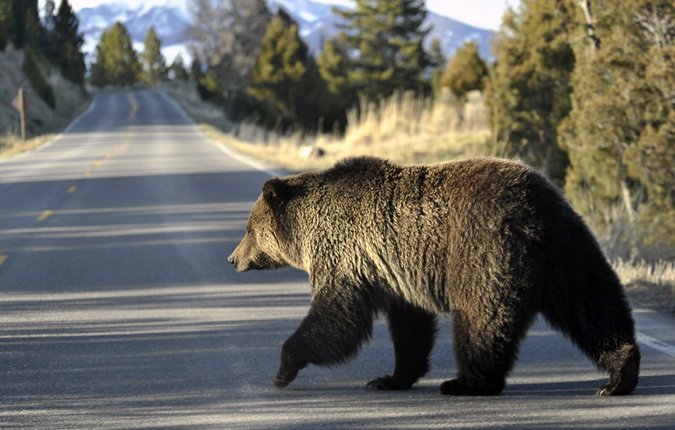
{"type": "Point", "coordinates": [489, 241]}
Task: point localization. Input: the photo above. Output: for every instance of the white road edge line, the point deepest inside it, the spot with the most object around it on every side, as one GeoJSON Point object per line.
{"type": "Point", "coordinates": [92, 104]}
{"type": "Point", "coordinates": [227, 151]}
{"type": "Point", "coordinates": [48, 143]}
{"type": "Point", "coordinates": [656, 344]}
{"type": "Point", "coordinates": [73, 123]}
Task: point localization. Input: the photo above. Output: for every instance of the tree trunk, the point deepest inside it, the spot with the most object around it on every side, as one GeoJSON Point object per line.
{"type": "Point", "coordinates": [590, 24]}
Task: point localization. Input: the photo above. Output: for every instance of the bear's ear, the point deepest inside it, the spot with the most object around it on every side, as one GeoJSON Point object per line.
{"type": "Point", "coordinates": [277, 192]}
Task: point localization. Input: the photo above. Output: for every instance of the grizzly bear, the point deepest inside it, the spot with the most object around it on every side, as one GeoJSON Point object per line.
{"type": "Point", "coordinates": [491, 242]}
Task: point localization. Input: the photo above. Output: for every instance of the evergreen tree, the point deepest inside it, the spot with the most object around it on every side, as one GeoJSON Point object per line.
{"type": "Point", "coordinates": [154, 66]}
{"type": "Point", "coordinates": [466, 71]}
{"type": "Point", "coordinates": [116, 61]}
{"type": "Point", "coordinates": [334, 69]}
{"type": "Point", "coordinates": [285, 79]}
{"type": "Point", "coordinates": [67, 43]}
{"type": "Point", "coordinates": [388, 37]}
{"type": "Point", "coordinates": [528, 91]}
{"type": "Point", "coordinates": [177, 70]}
{"type": "Point", "coordinates": [621, 130]}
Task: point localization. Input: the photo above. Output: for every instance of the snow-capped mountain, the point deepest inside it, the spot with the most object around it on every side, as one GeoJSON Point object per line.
{"type": "Point", "coordinates": [317, 23]}
{"type": "Point", "coordinates": [315, 18]}
{"type": "Point", "coordinates": [169, 20]}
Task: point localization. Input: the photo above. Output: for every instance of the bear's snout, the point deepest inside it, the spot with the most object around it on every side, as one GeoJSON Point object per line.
{"type": "Point", "coordinates": [236, 262]}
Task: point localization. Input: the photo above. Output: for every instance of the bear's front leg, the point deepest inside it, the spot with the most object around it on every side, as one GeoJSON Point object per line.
{"type": "Point", "coordinates": [339, 321]}
{"type": "Point", "coordinates": [291, 364]}
{"type": "Point", "coordinates": [413, 331]}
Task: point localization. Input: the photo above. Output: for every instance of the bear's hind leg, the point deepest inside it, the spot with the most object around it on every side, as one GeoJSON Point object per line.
{"type": "Point", "coordinates": [624, 367]}
{"type": "Point", "coordinates": [598, 320]}
{"type": "Point", "coordinates": [413, 331]}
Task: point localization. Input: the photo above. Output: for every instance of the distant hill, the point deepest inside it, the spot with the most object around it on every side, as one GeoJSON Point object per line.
{"type": "Point", "coordinates": [316, 20]}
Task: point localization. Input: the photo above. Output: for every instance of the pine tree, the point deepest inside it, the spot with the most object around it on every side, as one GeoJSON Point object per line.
{"type": "Point", "coordinates": [154, 65]}
{"type": "Point", "coordinates": [466, 71]}
{"type": "Point", "coordinates": [334, 70]}
{"type": "Point", "coordinates": [528, 91]}
{"type": "Point", "coordinates": [621, 130]}
{"type": "Point", "coordinates": [116, 62]}
{"type": "Point", "coordinates": [67, 43]}
{"type": "Point", "coordinates": [388, 36]}
{"type": "Point", "coordinates": [177, 70]}
{"type": "Point", "coordinates": [285, 79]}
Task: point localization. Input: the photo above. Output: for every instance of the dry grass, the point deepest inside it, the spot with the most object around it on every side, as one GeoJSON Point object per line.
{"type": "Point", "coordinates": [11, 145]}
{"type": "Point", "coordinates": [648, 284]}
{"type": "Point", "coordinates": [660, 272]}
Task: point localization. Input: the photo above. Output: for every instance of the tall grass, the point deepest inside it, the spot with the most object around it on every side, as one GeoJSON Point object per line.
{"type": "Point", "coordinates": [404, 114]}
{"type": "Point", "coordinates": [660, 272]}
{"type": "Point", "coordinates": [404, 128]}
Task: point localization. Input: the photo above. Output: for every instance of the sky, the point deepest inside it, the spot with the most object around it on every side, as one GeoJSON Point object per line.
{"type": "Point", "coordinates": [479, 13]}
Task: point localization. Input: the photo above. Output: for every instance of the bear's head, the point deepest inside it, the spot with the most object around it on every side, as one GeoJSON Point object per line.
{"type": "Point", "coordinates": [265, 241]}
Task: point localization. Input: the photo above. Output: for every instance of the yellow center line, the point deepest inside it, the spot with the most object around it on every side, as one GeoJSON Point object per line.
{"type": "Point", "coordinates": [72, 189]}
{"type": "Point", "coordinates": [46, 214]}
{"type": "Point", "coordinates": [3, 258]}
{"type": "Point", "coordinates": [98, 163]}
{"type": "Point", "coordinates": [134, 107]}
{"type": "Point", "coordinates": [87, 173]}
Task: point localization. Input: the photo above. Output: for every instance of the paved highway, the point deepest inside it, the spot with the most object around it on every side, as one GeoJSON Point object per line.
{"type": "Point", "coordinates": [118, 310]}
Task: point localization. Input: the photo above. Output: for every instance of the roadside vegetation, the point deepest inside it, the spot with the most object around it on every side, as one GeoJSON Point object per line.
{"type": "Point", "coordinates": [40, 53]}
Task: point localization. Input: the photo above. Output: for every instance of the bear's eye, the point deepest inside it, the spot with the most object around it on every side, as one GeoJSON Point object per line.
{"type": "Point", "coordinates": [249, 230]}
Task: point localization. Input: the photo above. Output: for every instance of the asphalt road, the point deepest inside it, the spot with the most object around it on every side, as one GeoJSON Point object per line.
{"type": "Point", "coordinates": [118, 310]}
